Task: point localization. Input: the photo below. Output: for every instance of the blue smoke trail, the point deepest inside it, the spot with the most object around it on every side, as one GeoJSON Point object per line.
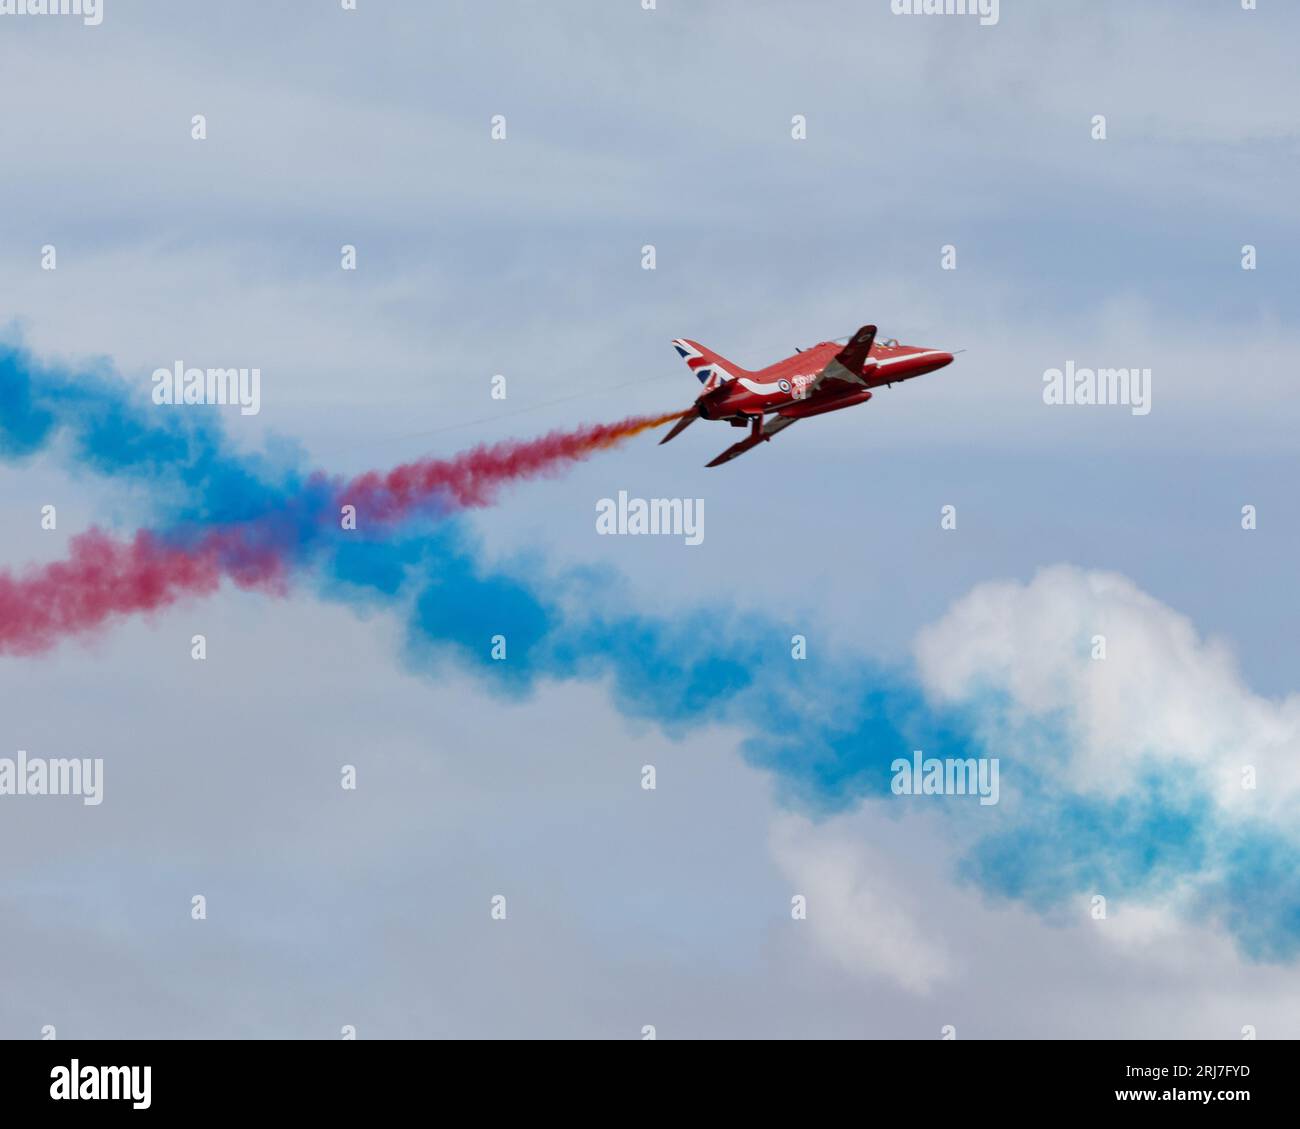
{"type": "Point", "coordinates": [826, 729]}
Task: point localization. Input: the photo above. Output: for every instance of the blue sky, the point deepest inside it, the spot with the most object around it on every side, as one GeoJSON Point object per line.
{"type": "Point", "coordinates": [669, 127]}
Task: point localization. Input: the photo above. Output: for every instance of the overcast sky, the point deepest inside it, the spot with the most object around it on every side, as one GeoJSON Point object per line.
{"type": "Point", "coordinates": [523, 257]}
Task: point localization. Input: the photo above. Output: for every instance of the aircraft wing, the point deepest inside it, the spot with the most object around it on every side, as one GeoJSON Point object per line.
{"type": "Point", "coordinates": [846, 365]}
{"type": "Point", "coordinates": [777, 425]}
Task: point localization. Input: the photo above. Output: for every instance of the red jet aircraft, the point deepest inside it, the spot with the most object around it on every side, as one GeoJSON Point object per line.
{"type": "Point", "coordinates": [823, 378]}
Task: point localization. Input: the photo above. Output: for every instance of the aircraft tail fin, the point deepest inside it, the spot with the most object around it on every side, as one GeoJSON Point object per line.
{"type": "Point", "coordinates": [710, 368]}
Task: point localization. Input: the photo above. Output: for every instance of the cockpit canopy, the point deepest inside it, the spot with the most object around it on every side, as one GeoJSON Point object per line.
{"type": "Point", "coordinates": [885, 342]}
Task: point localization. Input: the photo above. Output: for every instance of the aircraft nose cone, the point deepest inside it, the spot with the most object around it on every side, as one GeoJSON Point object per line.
{"type": "Point", "coordinates": [943, 359]}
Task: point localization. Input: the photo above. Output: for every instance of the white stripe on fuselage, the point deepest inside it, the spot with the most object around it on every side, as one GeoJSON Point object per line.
{"type": "Point", "coordinates": [769, 389]}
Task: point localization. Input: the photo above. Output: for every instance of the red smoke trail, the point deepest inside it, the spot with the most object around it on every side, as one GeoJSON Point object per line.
{"type": "Point", "coordinates": [103, 578]}
{"type": "Point", "coordinates": [472, 478]}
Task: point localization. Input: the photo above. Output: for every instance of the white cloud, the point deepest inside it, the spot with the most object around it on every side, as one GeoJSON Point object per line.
{"type": "Point", "coordinates": [1161, 695]}
{"type": "Point", "coordinates": [858, 909]}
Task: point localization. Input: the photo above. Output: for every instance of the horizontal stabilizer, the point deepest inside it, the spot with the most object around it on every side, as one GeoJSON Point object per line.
{"type": "Point", "coordinates": [680, 426]}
